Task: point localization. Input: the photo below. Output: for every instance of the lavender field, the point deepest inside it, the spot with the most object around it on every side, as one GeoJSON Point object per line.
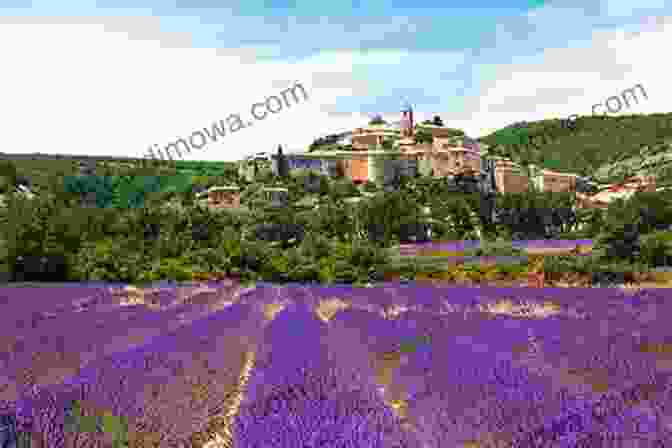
{"type": "Point", "coordinates": [396, 365]}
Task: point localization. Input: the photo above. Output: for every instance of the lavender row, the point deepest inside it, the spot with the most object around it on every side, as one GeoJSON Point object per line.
{"type": "Point", "coordinates": [576, 303]}
{"type": "Point", "coordinates": [20, 306]}
{"type": "Point", "coordinates": [58, 344]}
{"type": "Point", "coordinates": [25, 308]}
{"type": "Point", "coordinates": [304, 392]}
{"type": "Point", "coordinates": [468, 244]}
{"type": "Point", "coordinates": [487, 374]}
{"type": "Point", "coordinates": [149, 384]}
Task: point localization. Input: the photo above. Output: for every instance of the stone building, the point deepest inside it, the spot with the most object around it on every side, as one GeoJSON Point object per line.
{"type": "Point", "coordinates": [510, 177]}
{"type": "Point", "coordinates": [447, 156]}
{"type": "Point", "coordinates": [372, 137]}
{"type": "Point", "coordinates": [222, 196]}
{"type": "Point", "coordinates": [555, 182]}
{"type": "Point", "coordinates": [450, 162]}
{"type": "Point", "coordinates": [622, 190]}
{"type": "Point", "coordinates": [439, 132]}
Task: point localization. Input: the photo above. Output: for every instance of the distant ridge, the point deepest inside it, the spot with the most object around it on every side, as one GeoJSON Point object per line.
{"type": "Point", "coordinates": [596, 141]}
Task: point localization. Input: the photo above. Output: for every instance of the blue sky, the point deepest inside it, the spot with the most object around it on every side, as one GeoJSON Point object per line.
{"type": "Point", "coordinates": [113, 77]}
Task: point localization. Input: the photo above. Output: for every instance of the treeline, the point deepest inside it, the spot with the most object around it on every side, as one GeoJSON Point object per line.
{"type": "Point", "coordinates": [43, 171]}
{"type": "Point", "coordinates": [55, 237]}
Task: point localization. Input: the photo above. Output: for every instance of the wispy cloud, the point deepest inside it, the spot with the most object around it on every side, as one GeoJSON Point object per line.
{"type": "Point", "coordinates": [114, 77]}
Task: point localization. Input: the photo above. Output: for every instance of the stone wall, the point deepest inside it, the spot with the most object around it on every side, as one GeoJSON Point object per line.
{"type": "Point", "coordinates": [446, 163]}
{"type": "Point", "coordinates": [442, 165]}
{"type": "Point", "coordinates": [365, 140]}
{"type": "Point", "coordinates": [558, 182]}
{"type": "Point", "coordinates": [510, 178]}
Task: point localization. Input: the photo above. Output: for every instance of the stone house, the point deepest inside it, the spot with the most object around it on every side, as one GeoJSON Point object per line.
{"type": "Point", "coordinates": [510, 177]}
{"type": "Point", "coordinates": [365, 141]}
{"type": "Point", "coordinates": [372, 137]}
{"type": "Point", "coordinates": [222, 196]}
{"type": "Point", "coordinates": [449, 162]}
{"type": "Point", "coordinates": [438, 132]}
{"type": "Point", "coordinates": [622, 190]}
{"type": "Point", "coordinates": [555, 182]}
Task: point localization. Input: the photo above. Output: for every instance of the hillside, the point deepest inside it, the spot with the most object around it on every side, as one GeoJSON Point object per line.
{"type": "Point", "coordinates": [38, 168]}
{"type": "Point", "coordinates": [594, 143]}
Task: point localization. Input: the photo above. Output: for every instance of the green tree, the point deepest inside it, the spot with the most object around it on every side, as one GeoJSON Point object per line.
{"type": "Point", "coordinates": [370, 187]}
{"type": "Point", "coordinates": [8, 176]}
{"type": "Point", "coordinates": [423, 136]}
{"type": "Point", "coordinates": [377, 119]}
{"type": "Point", "coordinates": [343, 188]}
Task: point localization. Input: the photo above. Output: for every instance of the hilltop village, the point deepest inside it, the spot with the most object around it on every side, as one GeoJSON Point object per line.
{"type": "Point", "coordinates": [382, 152]}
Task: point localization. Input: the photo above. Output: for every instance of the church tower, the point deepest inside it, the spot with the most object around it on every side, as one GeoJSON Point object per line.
{"type": "Point", "coordinates": [406, 124]}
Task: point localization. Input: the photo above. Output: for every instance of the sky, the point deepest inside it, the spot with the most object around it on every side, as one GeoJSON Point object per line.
{"type": "Point", "coordinates": [114, 77]}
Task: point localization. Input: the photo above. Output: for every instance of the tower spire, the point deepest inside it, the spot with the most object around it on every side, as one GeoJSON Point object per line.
{"type": "Point", "coordinates": [407, 124]}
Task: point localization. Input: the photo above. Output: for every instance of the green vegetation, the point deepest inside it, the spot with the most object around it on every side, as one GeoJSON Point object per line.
{"type": "Point", "coordinates": [319, 235]}
{"type": "Point", "coordinates": [595, 142]}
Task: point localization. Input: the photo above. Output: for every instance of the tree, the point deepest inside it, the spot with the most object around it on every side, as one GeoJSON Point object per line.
{"type": "Point", "coordinates": [370, 187]}
{"type": "Point", "coordinates": [312, 182]}
{"type": "Point", "coordinates": [283, 164]}
{"type": "Point", "coordinates": [344, 188]}
{"type": "Point", "coordinates": [8, 176]}
{"type": "Point", "coordinates": [377, 119]}
{"type": "Point", "coordinates": [424, 136]}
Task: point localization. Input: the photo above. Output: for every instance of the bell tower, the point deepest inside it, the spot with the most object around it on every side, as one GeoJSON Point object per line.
{"type": "Point", "coordinates": [406, 124]}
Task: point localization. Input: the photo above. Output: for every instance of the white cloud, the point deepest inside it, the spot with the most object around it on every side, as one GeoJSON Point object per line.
{"type": "Point", "coordinates": [82, 89]}
{"type": "Point", "coordinates": [563, 81]}
{"type": "Point", "coordinates": [101, 85]}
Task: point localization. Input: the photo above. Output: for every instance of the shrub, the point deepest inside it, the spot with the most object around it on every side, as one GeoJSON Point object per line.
{"type": "Point", "coordinates": [253, 256]}
{"type": "Point", "coordinates": [326, 270]}
{"type": "Point", "coordinates": [316, 246]}
{"type": "Point", "coordinates": [370, 187]}
{"type": "Point", "coordinates": [111, 259]}
{"type": "Point", "coordinates": [39, 268]}
{"type": "Point", "coordinates": [566, 263]}
{"type": "Point", "coordinates": [656, 249]}
{"type": "Point", "coordinates": [619, 242]}
{"type": "Point", "coordinates": [178, 269]}
{"type": "Point", "coordinates": [200, 232]}
{"type": "Point", "coordinates": [413, 231]}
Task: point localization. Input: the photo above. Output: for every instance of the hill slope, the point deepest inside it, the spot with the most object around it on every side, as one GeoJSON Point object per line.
{"type": "Point", "coordinates": [595, 142]}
